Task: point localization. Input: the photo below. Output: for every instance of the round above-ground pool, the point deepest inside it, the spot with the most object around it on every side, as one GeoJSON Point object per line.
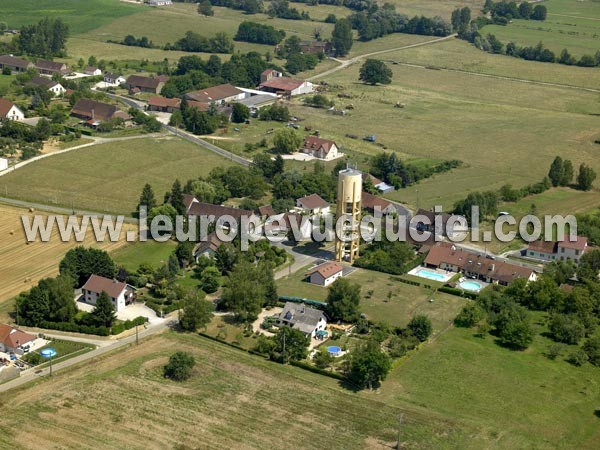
{"type": "Point", "coordinates": [334, 350]}
{"type": "Point", "coordinates": [470, 285]}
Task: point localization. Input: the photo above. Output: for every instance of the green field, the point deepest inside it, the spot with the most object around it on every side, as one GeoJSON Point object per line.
{"type": "Point", "coordinates": [570, 24]}
{"type": "Point", "coordinates": [406, 300]}
{"type": "Point", "coordinates": [110, 177]}
{"type": "Point", "coordinates": [150, 252]}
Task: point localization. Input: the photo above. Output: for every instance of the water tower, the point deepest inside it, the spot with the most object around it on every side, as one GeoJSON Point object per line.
{"type": "Point", "coordinates": [348, 206]}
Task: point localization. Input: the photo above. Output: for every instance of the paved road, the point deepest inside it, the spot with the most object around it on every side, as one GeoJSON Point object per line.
{"type": "Point", "coordinates": [32, 374]}
{"type": "Point", "coordinates": [301, 260]}
{"type": "Point", "coordinates": [344, 63]}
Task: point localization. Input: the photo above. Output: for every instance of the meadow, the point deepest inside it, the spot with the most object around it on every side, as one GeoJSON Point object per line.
{"type": "Point", "coordinates": [110, 177]}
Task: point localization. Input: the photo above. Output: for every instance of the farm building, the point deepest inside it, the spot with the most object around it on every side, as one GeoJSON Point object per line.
{"type": "Point", "coordinates": [121, 294]}
{"type": "Point", "coordinates": [313, 204]}
{"type": "Point", "coordinates": [138, 83]}
{"type": "Point", "coordinates": [88, 109]}
{"type": "Point", "coordinates": [255, 102]}
{"type": "Point", "coordinates": [53, 86]}
{"type": "Point", "coordinates": [301, 317]}
{"type": "Point", "coordinates": [325, 274]}
{"type": "Point", "coordinates": [12, 338]}
{"type": "Point", "coordinates": [10, 111]}
{"type": "Point", "coordinates": [163, 104]}
{"type": "Point", "coordinates": [564, 250]}
{"type": "Point", "coordinates": [223, 93]}
{"type": "Point", "coordinates": [45, 67]}
{"type": "Point", "coordinates": [320, 148]}
{"type": "Point", "coordinates": [15, 64]}
{"type": "Point", "coordinates": [275, 82]}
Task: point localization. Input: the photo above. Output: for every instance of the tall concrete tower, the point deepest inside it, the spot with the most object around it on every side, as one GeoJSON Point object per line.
{"type": "Point", "coordinates": [348, 206]}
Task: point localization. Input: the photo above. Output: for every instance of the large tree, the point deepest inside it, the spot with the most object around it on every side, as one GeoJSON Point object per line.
{"type": "Point", "coordinates": [290, 344]}
{"type": "Point", "coordinates": [287, 140]}
{"type": "Point", "coordinates": [556, 171]}
{"type": "Point", "coordinates": [176, 198]}
{"type": "Point", "coordinates": [179, 367]}
{"type": "Point", "coordinates": [341, 37]}
{"type": "Point", "coordinates": [586, 177]}
{"type": "Point", "coordinates": [81, 262]}
{"type": "Point", "coordinates": [147, 197]}
{"type": "Point", "coordinates": [420, 326]}
{"type": "Point", "coordinates": [343, 301]}
{"type": "Point", "coordinates": [375, 71]}
{"type": "Point", "coordinates": [369, 365]}
{"type": "Point", "coordinates": [104, 311]}
{"type": "Point", "coordinates": [244, 293]}
{"type": "Point", "coordinates": [196, 312]}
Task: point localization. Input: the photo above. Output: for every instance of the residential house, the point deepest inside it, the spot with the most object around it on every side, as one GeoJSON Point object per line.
{"type": "Point", "coordinates": [138, 83]}
{"type": "Point", "coordinates": [373, 203]}
{"type": "Point", "coordinates": [92, 71]}
{"type": "Point", "coordinates": [121, 294]}
{"type": "Point", "coordinates": [11, 339]}
{"type": "Point", "coordinates": [53, 86]}
{"type": "Point", "coordinates": [49, 68]}
{"type": "Point", "coordinates": [163, 104]}
{"type": "Point", "coordinates": [221, 94]}
{"type": "Point", "coordinates": [436, 223]}
{"type": "Point", "coordinates": [3, 164]}
{"type": "Point", "coordinates": [565, 250]}
{"type": "Point", "coordinates": [207, 248]}
{"type": "Point", "coordinates": [92, 110]}
{"type": "Point", "coordinates": [114, 78]}
{"type": "Point", "coordinates": [274, 81]}
{"type": "Point", "coordinates": [286, 223]}
{"type": "Point", "coordinates": [301, 317]}
{"type": "Point", "coordinates": [10, 111]}
{"type": "Point", "coordinates": [326, 273]}
{"type": "Point", "coordinates": [320, 148]}
{"type": "Point", "coordinates": [451, 258]}
{"type": "Point", "coordinates": [214, 212]}
{"type": "Point", "coordinates": [380, 185]}
{"type": "Point", "coordinates": [15, 64]}
{"type": "Point", "coordinates": [313, 204]}
{"type": "Point", "coordinates": [266, 211]}
{"type": "Point", "coordinates": [159, 2]}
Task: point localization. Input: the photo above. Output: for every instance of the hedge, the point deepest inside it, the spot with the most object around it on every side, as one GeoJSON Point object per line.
{"type": "Point", "coordinates": [457, 292]}
{"type": "Point", "coordinates": [90, 329]}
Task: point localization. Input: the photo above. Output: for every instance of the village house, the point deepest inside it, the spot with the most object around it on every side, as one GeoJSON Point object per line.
{"type": "Point", "coordinates": [10, 111]}
{"type": "Point", "coordinates": [3, 164]}
{"type": "Point", "coordinates": [207, 248]}
{"type": "Point", "coordinates": [138, 83]}
{"type": "Point", "coordinates": [326, 273]}
{"type": "Point", "coordinates": [223, 93]}
{"type": "Point", "coordinates": [451, 258]}
{"type": "Point", "coordinates": [320, 148]}
{"type": "Point", "coordinates": [313, 204]}
{"type": "Point", "coordinates": [565, 250]}
{"type": "Point", "coordinates": [92, 71]}
{"type": "Point", "coordinates": [15, 64]}
{"type": "Point", "coordinates": [301, 317]}
{"type": "Point", "coordinates": [443, 227]}
{"type": "Point", "coordinates": [12, 339]}
{"type": "Point", "coordinates": [214, 212]}
{"type": "Point", "coordinates": [96, 112]}
{"type": "Point", "coordinates": [49, 68]}
{"type": "Point", "coordinates": [159, 2]}
{"type": "Point", "coordinates": [53, 86]}
{"type": "Point", "coordinates": [120, 294]}
{"type": "Point", "coordinates": [274, 81]}
{"type": "Point", "coordinates": [114, 78]}
{"type": "Point", "coordinates": [163, 104]}
{"type": "Point", "coordinates": [373, 203]}
{"type": "Point", "coordinates": [380, 185]}
{"type": "Point", "coordinates": [266, 211]}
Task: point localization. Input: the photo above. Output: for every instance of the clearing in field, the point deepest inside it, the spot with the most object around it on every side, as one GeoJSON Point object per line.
{"type": "Point", "coordinates": [110, 177]}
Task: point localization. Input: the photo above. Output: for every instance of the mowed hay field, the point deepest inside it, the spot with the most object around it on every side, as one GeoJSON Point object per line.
{"type": "Point", "coordinates": [110, 177]}
{"type": "Point", "coordinates": [233, 400]}
{"type": "Point", "coordinates": [24, 264]}
{"type": "Point", "coordinates": [570, 24]}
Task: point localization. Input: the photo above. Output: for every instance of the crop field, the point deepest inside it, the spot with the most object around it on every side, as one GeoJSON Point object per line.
{"type": "Point", "coordinates": [24, 264]}
{"type": "Point", "coordinates": [110, 177]}
{"type": "Point", "coordinates": [570, 24]}
{"type": "Point", "coordinates": [233, 400]}
{"type": "Point", "coordinates": [522, 399]}
{"type": "Point", "coordinates": [405, 301]}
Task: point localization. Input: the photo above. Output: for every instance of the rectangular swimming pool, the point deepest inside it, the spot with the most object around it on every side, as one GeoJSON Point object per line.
{"type": "Point", "coordinates": [431, 274]}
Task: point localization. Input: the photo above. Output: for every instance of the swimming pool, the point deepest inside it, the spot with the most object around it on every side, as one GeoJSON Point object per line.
{"type": "Point", "coordinates": [470, 285]}
{"type": "Point", "coordinates": [431, 274]}
{"type": "Point", "coordinates": [334, 350]}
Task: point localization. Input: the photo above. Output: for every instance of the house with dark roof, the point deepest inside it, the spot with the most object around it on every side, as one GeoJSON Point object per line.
{"type": "Point", "coordinates": [207, 248]}
{"type": "Point", "coordinates": [53, 86]}
{"type": "Point", "coordinates": [436, 223]}
{"type": "Point", "coordinates": [274, 81]}
{"type": "Point", "coordinates": [301, 317]}
{"type": "Point", "coordinates": [89, 109]}
{"type": "Point", "coordinates": [326, 273]}
{"type": "Point", "coordinates": [12, 339]}
{"type": "Point", "coordinates": [373, 203]}
{"type": "Point", "coordinates": [45, 67]}
{"type": "Point", "coordinates": [320, 148]}
{"type": "Point", "coordinates": [163, 104]}
{"type": "Point", "coordinates": [114, 78]}
{"type": "Point", "coordinates": [223, 93]}
{"type": "Point", "coordinates": [313, 204]}
{"type": "Point", "coordinates": [565, 250]}
{"type": "Point", "coordinates": [121, 294]}
{"type": "Point", "coordinates": [138, 83]}
{"type": "Point", "coordinates": [15, 64]}
{"type": "Point", "coordinates": [10, 111]}
{"type": "Point", "coordinates": [92, 71]}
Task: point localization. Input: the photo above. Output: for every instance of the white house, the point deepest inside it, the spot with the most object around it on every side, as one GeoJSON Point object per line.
{"type": "Point", "coordinates": [92, 71]}
{"type": "Point", "coordinates": [320, 148]}
{"type": "Point", "coordinates": [120, 293]}
{"type": "Point", "coordinates": [11, 339]}
{"type": "Point", "coordinates": [313, 204]}
{"type": "Point", "coordinates": [114, 78]}
{"type": "Point", "coordinates": [274, 81]}
{"type": "Point", "coordinates": [564, 250]}
{"type": "Point", "coordinates": [301, 317]}
{"type": "Point", "coordinates": [10, 111]}
{"type": "Point", "coordinates": [56, 88]}
{"type": "Point", "coordinates": [3, 164]}
{"type": "Point", "coordinates": [325, 274]}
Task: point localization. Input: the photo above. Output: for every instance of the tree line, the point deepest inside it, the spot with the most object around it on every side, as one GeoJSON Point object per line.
{"type": "Point", "coordinates": [45, 39]}
{"type": "Point", "coordinates": [258, 33]}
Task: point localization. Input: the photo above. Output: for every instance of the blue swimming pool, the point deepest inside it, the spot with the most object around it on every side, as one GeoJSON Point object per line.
{"type": "Point", "coordinates": [334, 350]}
{"type": "Point", "coordinates": [470, 285]}
{"type": "Point", "coordinates": [430, 274]}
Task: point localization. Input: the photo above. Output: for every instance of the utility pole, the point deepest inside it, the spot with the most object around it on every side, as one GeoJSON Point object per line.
{"type": "Point", "coordinates": [400, 418]}
{"type": "Point", "coordinates": [51, 366]}
{"type": "Point", "coordinates": [284, 347]}
{"type": "Point", "coordinates": [137, 339]}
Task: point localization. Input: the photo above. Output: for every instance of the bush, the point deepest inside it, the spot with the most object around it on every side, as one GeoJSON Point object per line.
{"type": "Point", "coordinates": [179, 367]}
{"type": "Point", "coordinates": [470, 316]}
{"type": "Point", "coordinates": [420, 326]}
{"type": "Point", "coordinates": [577, 357]}
{"type": "Point", "coordinates": [566, 328]}
{"type": "Point", "coordinates": [592, 350]}
{"type": "Point", "coordinates": [553, 352]}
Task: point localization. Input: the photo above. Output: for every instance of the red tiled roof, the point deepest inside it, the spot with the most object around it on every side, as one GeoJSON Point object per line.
{"type": "Point", "coordinates": [13, 337]}
{"type": "Point", "coordinates": [88, 109]}
{"type": "Point", "coordinates": [266, 210]}
{"type": "Point", "coordinates": [164, 102]}
{"type": "Point", "coordinates": [208, 209]}
{"type": "Point", "coordinates": [144, 82]}
{"type": "Point", "coordinates": [282, 84]}
{"type": "Point", "coordinates": [327, 269]}
{"type": "Point", "coordinates": [99, 284]}
{"type": "Point", "coordinates": [370, 201]}
{"type": "Point", "coordinates": [7, 60]}
{"type": "Point", "coordinates": [214, 94]}
{"type": "Point", "coordinates": [5, 106]}
{"type": "Point", "coordinates": [542, 246]}
{"type": "Point", "coordinates": [313, 201]}
{"type": "Point", "coordinates": [316, 143]}
{"type": "Point", "coordinates": [579, 243]}
{"type": "Point", "coordinates": [200, 106]}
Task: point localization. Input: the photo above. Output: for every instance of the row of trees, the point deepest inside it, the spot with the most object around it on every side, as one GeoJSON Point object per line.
{"type": "Point", "coordinates": [561, 174]}
{"type": "Point", "coordinates": [259, 33]}
{"type": "Point", "coordinates": [46, 39]}
{"type": "Point", "coordinates": [511, 10]}
{"type": "Point", "coordinates": [248, 6]}
{"type": "Point", "coordinates": [297, 61]}
{"type": "Point", "coordinates": [194, 42]}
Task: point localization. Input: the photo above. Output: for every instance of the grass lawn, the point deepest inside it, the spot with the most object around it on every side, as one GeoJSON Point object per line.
{"type": "Point", "coordinates": [405, 301]}
{"type": "Point", "coordinates": [232, 400]}
{"type": "Point", "coordinates": [150, 252]}
{"type": "Point", "coordinates": [110, 177]}
{"type": "Point", "coordinates": [570, 24]}
{"type": "Point", "coordinates": [65, 350]}
{"type": "Point", "coordinates": [522, 399]}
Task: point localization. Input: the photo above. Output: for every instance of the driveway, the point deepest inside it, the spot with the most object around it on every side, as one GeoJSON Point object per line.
{"type": "Point", "coordinates": [129, 313]}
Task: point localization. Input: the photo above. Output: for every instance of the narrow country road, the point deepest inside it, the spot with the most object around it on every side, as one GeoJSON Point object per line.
{"type": "Point", "coordinates": [348, 62]}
